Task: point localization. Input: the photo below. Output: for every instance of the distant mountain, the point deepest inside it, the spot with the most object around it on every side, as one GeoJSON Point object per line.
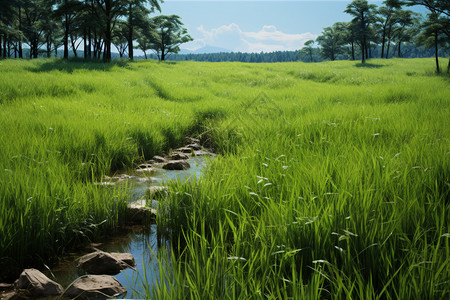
{"type": "Point", "coordinates": [205, 50]}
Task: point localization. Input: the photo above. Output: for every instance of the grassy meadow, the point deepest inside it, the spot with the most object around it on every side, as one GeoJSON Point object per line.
{"type": "Point", "coordinates": [332, 179]}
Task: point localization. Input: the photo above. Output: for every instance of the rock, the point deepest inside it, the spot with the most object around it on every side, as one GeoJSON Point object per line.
{"type": "Point", "coordinates": [159, 159]}
{"type": "Point", "coordinates": [144, 166]}
{"type": "Point", "coordinates": [104, 183]}
{"type": "Point", "coordinates": [157, 191]}
{"type": "Point", "coordinates": [192, 140]}
{"type": "Point", "coordinates": [125, 257]}
{"type": "Point", "coordinates": [146, 170]}
{"type": "Point", "coordinates": [95, 286]}
{"type": "Point", "coordinates": [184, 150]}
{"type": "Point", "coordinates": [194, 146]}
{"type": "Point", "coordinates": [100, 262]}
{"type": "Point", "coordinates": [15, 295]}
{"type": "Point", "coordinates": [178, 156]}
{"type": "Point", "coordinates": [38, 284]}
{"type": "Point", "coordinates": [176, 165]}
{"type": "Point", "coordinates": [6, 286]}
{"type": "Point", "coordinates": [140, 214]}
{"type": "Point", "coordinates": [203, 153]}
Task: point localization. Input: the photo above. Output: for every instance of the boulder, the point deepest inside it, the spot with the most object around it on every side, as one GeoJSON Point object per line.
{"type": "Point", "coordinates": [149, 170]}
{"type": "Point", "coordinates": [194, 146]}
{"type": "Point", "coordinates": [37, 284]}
{"type": "Point", "coordinates": [159, 159]}
{"type": "Point", "coordinates": [192, 140]}
{"type": "Point", "coordinates": [157, 191]}
{"type": "Point", "coordinates": [203, 153]}
{"type": "Point", "coordinates": [176, 165]}
{"type": "Point", "coordinates": [95, 286]}
{"type": "Point", "coordinates": [184, 150]}
{"type": "Point", "coordinates": [15, 295]}
{"type": "Point", "coordinates": [125, 257]}
{"type": "Point", "coordinates": [100, 262]}
{"type": "Point", "coordinates": [178, 156]}
{"type": "Point", "coordinates": [6, 286]}
{"type": "Point", "coordinates": [140, 214]}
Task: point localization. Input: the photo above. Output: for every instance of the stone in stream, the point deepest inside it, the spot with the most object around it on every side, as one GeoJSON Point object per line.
{"type": "Point", "coordinates": [148, 170]}
{"type": "Point", "coordinates": [100, 262]}
{"type": "Point", "coordinates": [95, 286]}
{"type": "Point", "coordinates": [194, 146]}
{"type": "Point", "coordinates": [176, 165]}
{"type": "Point", "coordinates": [184, 150]}
{"type": "Point", "coordinates": [140, 214]}
{"type": "Point", "coordinates": [156, 191]}
{"type": "Point", "coordinates": [178, 156]}
{"type": "Point", "coordinates": [192, 140]}
{"type": "Point", "coordinates": [37, 284]}
{"type": "Point", "coordinates": [158, 159]}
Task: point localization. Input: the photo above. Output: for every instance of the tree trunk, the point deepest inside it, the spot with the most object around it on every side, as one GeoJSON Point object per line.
{"type": "Point", "coordinates": [89, 43]}
{"type": "Point", "coordinates": [353, 50]}
{"type": "Point", "coordinates": [383, 41]}
{"type": "Point", "coordinates": [20, 29]}
{"type": "Point", "coordinates": [436, 51]}
{"type": "Point", "coordinates": [145, 55]}
{"type": "Point", "coordinates": [388, 47]}
{"type": "Point", "coordinates": [107, 54]}
{"type": "Point", "coordinates": [130, 32]}
{"type": "Point", "coordinates": [66, 37]}
{"type": "Point", "coordinates": [448, 66]}
{"type": "Point", "coordinates": [49, 46]}
{"type": "Point", "coordinates": [85, 44]}
{"type": "Point", "coordinates": [1, 46]}
{"type": "Point", "coordinates": [399, 49]}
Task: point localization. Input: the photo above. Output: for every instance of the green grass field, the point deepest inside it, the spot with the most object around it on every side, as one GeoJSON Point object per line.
{"type": "Point", "coordinates": [332, 179]}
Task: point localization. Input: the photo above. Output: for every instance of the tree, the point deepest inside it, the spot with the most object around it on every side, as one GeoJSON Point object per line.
{"type": "Point", "coordinates": [406, 29]}
{"type": "Point", "coordinates": [331, 42]}
{"type": "Point", "coordinates": [308, 49]}
{"type": "Point", "coordinates": [386, 18]}
{"type": "Point", "coordinates": [437, 25]}
{"type": "Point", "coordinates": [69, 10]}
{"type": "Point", "coordinates": [363, 13]}
{"type": "Point", "coordinates": [137, 12]}
{"type": "Point", "coordinates": [169, 35]}
{"type": "Point", "coordinates": [119, 38]}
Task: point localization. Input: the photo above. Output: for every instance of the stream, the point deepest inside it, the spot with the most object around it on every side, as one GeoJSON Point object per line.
{"type": "Point", "coordinates": [140, 241]}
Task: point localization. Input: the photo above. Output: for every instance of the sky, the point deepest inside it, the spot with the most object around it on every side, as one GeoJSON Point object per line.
{"type": "Point", "coordinates": [255, 25]}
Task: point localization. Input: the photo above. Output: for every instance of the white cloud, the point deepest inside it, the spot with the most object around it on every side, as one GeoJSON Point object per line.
{"type": "Point", "coordinates": [232, 37]}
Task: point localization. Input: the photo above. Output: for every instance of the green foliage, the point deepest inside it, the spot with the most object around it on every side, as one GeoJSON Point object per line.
{"type": "Point", "coordinates": [332, 179]}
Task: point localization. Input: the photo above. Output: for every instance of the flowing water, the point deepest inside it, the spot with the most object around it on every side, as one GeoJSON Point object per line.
{"type": "Point", "coordinates": [137, 240]}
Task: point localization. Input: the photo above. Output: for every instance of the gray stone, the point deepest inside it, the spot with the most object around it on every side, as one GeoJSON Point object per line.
{"type": "Point", "coordinates": [159, 159]}
{"type": "Point", "coordinates": [100, 262]}
{"type": "Point", "coordinates": [146, 170]}
{"type": "Point", "coordinates": [140, 214]}
{"type": "Point", "coordinates": [176, 165]}
{"type": "Point", "coordinates": [125, 257]}
{"type": "Point", "coordinates": [37, 284]}
{"type": "Point", "coordinates": [184, 150]}
{"type": "Point", "coordinates": [157, 191]}
{"type": "Point", "coordinates": [95, 286]}
{"type": "Point", "coordinates": [178, 156]}
{"type": "Point", "coordinates": [194, 146]}
{"type": "Point", "coordinates": [192, 140]}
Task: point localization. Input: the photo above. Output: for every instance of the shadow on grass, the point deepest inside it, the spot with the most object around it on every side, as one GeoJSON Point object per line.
{"type": "Point", "coordinates": [77, 64]}
{"type": "Point", "coordinates": [368, 65]}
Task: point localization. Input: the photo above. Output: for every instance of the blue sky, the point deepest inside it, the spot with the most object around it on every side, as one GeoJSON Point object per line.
{"type": "Point", "coordinates": [255, 25]}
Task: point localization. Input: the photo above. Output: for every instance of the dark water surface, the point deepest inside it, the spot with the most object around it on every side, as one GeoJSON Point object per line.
{"type": "Point", "coordinates": [140, 241]}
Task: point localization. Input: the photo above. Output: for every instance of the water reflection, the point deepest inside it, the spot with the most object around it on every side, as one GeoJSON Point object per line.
{"type": "Point", "coordinates": [137, 240]}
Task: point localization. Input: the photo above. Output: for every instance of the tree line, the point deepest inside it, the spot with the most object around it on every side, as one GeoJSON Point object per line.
{"type": "Point", "coordinates": [47, 25]}
{"type": "Point", "coordinates": [389, 28]}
